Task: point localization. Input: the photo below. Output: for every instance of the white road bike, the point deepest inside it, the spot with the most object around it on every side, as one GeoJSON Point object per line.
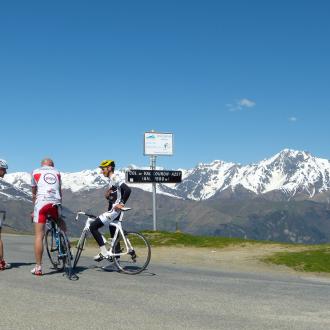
{"type": "Point", "coordinates": [130, 251]}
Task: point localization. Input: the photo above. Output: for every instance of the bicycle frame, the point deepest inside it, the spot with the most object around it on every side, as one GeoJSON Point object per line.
{"type": "Point", "coordinates": [119, 230]}
{"type": "Point", "coordinates": [52, 225]}
{"type": "Point", "coordinates": [121, 251]}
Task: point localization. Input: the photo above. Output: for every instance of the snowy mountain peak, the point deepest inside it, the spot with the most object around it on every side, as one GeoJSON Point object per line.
{"type": "Point", "coordinates": [289, 156]}
{"type": "Point", "coordinates": [290, 172]}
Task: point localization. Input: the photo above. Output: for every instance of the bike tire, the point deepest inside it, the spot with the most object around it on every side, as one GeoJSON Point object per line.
{"type": "Point", "coordinates": [137, 258]}
{"type": "Point", "coordinates": [66, 253]}
{"type": "Point", "coordinates": [80, 247]}
{"type": "Point", "coordinates": [52, 250]}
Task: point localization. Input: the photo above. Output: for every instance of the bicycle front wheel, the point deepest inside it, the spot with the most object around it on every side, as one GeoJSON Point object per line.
{"type": "Point", "coordinates": [80, 247]}
{"type": "Point", "coordinates": [65, 253]}
{"type": "Point", "coordinates": [53, 250]}
{"type": "Point", "coordinates": [134, 256]}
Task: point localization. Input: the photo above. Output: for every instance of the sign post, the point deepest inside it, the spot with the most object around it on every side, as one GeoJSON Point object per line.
{"type": "Point", "coordinates": [153, 176]}
{"type": "Point", "coordinates": [154, 216]}
{"type": "Point", "coordinates": [157, 144]}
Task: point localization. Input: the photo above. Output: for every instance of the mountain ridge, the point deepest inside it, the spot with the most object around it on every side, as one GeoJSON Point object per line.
{"type": "Point", "coordinates": [287, 174]}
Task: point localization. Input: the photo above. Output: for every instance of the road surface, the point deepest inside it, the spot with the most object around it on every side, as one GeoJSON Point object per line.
{"type": "Point", "coordinates": [163, 297]}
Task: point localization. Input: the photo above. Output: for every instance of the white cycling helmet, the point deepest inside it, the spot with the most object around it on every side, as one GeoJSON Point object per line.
{"type": "Point", "coordinates": [3, 164]}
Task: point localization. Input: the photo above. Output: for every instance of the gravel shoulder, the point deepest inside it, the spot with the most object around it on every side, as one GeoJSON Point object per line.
{"type": "Point", "coordinates": [246, 258]}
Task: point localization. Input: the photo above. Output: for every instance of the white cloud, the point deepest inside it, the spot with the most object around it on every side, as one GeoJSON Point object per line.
{"type": "Point", "coordinates": [247, 103]}
{"type": "Point", "coordinates": [293, 119]}
{"type": "Point", "coordinates": [241, 104]}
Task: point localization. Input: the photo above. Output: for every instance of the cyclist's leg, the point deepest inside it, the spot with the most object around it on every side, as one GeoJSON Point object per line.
{"type": "Point", "coordinates": [99, 222]}
{"type": "Point", "coordinates": [62, 225]}
{"type": "Point", "coordinates": [3, 264]}
{"type": "Point", "coordinates": [1, 253]}
{"type": "Point", "coordinates": [59, 220]}
{"type": "Point", "coordinates": [39, 229]}
{"type": "Point", "coordinates": [94, 229]}
{"type": "Point", "coordinates": [1, 247]}
{"type": "Point", "coordinates": [112, 234]}
{"type": "Point", "coordinates": [40, 216]}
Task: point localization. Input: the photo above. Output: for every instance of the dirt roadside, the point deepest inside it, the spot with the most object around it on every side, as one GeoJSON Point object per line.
{"type": "Point", "coordinates": [236, 258]}
{"type": "Point", "coordinates": [247, 258]}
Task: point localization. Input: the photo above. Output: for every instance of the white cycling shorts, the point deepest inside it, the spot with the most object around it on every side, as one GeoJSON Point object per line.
{"type": "Point", "coordinates": [109, 216]}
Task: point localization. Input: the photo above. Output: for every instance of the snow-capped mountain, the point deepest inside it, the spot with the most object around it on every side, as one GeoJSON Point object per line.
{"type": "Point", "coordinates": [290, 178]}
{"type": "Point", "coordinates": [289, 172]}
{"type": "Point", "coordinates": [84, 181]}
{"type": "Point", "coordinates": [9, 191]}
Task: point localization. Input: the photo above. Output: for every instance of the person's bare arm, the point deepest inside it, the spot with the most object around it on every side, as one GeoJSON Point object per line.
{"type": "Point", "coordinates": [34, 194]}
{"type": "Point", "coordinates": [34, 197]}
{"type": "Point", "coordinates": [108, 193]}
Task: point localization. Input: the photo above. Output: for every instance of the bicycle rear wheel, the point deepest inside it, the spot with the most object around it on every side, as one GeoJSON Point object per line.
{"type": "Point", "coordinates": [65, 253]}
{"type": "Point", "coordinates": [80, 247]}
{"type": "Point", "coordinates": [53, 250]}
{"type": "Point", "coordinates": [136, 258]}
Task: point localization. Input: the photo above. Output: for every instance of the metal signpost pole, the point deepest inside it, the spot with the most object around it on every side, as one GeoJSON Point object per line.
{"type": "Point", "coordinates": [156, 144]}
{"type": "Point", "coordinates": [154, 216]}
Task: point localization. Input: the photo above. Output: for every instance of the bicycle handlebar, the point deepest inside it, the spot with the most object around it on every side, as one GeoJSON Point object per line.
{"type": "Point", "coordinates": [84, 213]}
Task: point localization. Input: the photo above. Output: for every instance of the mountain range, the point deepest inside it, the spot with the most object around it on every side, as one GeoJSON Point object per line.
{"type": "Point", "coordinates": [284, 198]}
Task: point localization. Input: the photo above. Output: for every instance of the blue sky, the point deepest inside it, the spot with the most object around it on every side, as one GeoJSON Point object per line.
{"type": "Point", "coordinates": [236, 80]}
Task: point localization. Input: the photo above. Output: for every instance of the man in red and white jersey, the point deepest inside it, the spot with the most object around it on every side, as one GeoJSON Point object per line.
{"type": "Point", "coordinates": [46, 191]}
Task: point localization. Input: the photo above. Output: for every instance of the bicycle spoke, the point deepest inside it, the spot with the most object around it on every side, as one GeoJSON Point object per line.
{"type": "Point", "coordinates": [135, 257]}
{"type": "Point", "coordinates": [53, 250]}
{"type": "Point", "coordinates": [80, 247]}
{"type": "Point", "coordinates": [66, 253]}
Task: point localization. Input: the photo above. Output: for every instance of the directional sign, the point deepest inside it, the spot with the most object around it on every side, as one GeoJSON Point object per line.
{"type": "Point", "coordinates": [153, 176]}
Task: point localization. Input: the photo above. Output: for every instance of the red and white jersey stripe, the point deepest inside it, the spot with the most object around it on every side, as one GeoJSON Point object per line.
{"type": "Point", "coordinates": [47, 179]}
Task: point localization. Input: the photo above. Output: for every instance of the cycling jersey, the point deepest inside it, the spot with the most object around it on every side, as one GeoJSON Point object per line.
{"type": "Point", "coordinates": [47, 179]}
{"type": "Point", "coordinates": [120, 187]}
{"type": "Point", "coordinates": [123, 192]}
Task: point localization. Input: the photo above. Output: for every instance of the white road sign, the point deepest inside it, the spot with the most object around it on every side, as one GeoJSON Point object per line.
{"type": "Point", "coordinates": [158, 144]}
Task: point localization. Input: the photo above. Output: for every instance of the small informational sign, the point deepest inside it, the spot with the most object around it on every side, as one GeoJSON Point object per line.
{"type": "Point", "coordinates": [158, 144]}
{"type": "Point", "coordinates": [153, 176]}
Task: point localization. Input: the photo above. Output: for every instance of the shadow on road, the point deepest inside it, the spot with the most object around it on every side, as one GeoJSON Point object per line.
{"type": "Point", "coordinates": [80, 269]}
{"type": "Point", "coordinates": [110, 269]}
{"type": "Point", "coordinates": [19, 264]}
{"type": "Point", "coordinates": [113, 268]}
{"type": "Point", "coordinates": [52, 271]}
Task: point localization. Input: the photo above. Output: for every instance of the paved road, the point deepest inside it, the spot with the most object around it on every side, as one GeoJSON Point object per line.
{"type": "Point", "coordinates": [164, 297]}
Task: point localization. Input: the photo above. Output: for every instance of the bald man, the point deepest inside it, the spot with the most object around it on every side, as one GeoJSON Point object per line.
{"type": "Point", "coordinates": [46, 191]}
